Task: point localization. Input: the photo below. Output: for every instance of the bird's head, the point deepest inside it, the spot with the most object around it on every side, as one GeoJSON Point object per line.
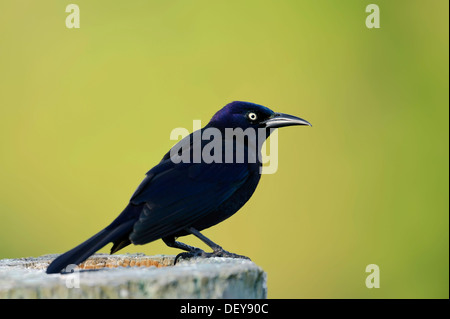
{"type": "Point", "coordinates": [245, 114]}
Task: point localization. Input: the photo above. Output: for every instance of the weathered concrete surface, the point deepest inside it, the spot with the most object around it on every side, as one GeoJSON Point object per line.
{"type": "Point", "coordinates": [134, 276]}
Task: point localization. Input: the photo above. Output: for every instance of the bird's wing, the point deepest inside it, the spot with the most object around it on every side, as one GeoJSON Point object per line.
{"type": "Point", "coordinates": [177, 195]}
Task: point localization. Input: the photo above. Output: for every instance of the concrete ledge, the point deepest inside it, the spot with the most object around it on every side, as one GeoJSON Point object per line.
{"type": "Point", "coordinates": [134, 276]}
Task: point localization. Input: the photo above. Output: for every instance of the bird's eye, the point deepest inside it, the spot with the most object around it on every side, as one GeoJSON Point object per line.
{"type": "Point", "coordinates": [252, 116]}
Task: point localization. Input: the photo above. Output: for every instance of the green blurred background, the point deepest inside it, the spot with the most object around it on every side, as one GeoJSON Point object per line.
{"type": "Point", "coordinates": [84, 113]}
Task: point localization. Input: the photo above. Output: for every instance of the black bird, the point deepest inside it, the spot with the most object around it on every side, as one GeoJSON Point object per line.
{"type": "Point", "coordinates": [178, 198]}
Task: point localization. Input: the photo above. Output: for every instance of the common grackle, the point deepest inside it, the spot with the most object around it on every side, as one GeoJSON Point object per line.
{"type": "Point", "coordinates": [178, 198]}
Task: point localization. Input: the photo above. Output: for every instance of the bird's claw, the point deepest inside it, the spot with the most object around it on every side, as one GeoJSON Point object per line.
{"type": "Point", "coordinates": [191, 254]}
{"type": "Point", "coordinates": [227, 254]}
{"type": "Point", "coordinates": [199, 253]}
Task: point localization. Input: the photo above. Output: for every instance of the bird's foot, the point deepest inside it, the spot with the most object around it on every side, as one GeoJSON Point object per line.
{"type": "Point", "coordinates": [199, 253]}
{"type": "Point", "coordinates": [223, 253]}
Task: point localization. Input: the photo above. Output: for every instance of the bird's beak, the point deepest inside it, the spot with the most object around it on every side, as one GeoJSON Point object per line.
{"type": "Point", "coordinates": [280, 120]}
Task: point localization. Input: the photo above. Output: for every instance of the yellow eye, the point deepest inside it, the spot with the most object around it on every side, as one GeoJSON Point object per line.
{"type": "Point", "coordinates": [252, 116]}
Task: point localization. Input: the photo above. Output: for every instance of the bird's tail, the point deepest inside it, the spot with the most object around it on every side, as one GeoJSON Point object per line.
{"type": "Point", "coordinates": [80, 253]}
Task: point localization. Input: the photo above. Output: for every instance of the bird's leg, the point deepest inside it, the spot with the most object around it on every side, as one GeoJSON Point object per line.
{"type": "Point", "coordinates": [171, 242]}
{"type": "Point", "coordinates": [191, 251]}
{"type": "Point", "coordinates": [218, 251]}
